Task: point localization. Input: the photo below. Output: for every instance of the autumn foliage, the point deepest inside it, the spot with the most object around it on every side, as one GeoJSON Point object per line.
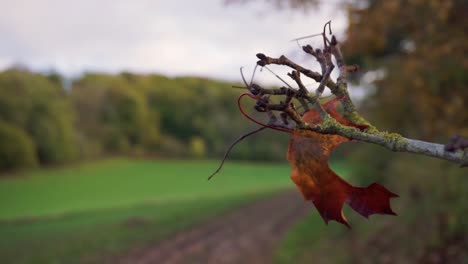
{"type": "Point", "coordinates": [309, 153]}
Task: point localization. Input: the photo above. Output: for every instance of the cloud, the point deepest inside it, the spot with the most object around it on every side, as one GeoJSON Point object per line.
{"type": "Point", "coordinates": [203, 38]}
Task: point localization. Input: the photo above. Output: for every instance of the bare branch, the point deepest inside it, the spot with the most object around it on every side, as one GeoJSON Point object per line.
{"type": "Point", "coordinates": [283, 60]}
{"type": "Point", "coordinates": [454, 151]}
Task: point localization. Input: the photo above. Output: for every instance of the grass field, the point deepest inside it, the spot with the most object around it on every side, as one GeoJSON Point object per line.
{"type": "Point", "coordinates": [88, 212]}
{"type": "Point", "coordinates": [118, 183]}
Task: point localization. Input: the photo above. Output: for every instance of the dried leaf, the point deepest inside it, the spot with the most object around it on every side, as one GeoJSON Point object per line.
{"type": "Point", "coordinates": [309, 154]}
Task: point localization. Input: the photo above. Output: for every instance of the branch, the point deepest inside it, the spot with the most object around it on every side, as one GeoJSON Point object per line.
{"type": "Point", "coordinates": [454, 151]}
{"type": "Point", "coordinates": [283, 60]}
{"type": "Point", "coordinates": [392, 141]}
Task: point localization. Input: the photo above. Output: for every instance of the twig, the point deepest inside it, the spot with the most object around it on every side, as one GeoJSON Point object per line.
{"type": "Point", "coordinates": [453, 151]}
{"type": "Point", "coordinates": [329, 125]}
{"type": "Point", "coordinates": [283, 60]}
{"type": "Point", "coordinates": [226, 154]}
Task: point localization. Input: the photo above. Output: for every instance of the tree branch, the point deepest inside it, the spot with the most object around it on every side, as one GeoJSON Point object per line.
{"type": "Point", "coordinates": [454, 151]}
{"type": "Point", "coordinates": [392, 141]}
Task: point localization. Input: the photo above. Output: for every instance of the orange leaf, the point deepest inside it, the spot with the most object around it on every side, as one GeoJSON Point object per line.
{"type": "Point", "coordinates": [309, 153]}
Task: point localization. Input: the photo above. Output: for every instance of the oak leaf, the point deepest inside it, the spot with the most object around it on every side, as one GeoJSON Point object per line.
{"type": "Point", "coordinates": [309, 153]}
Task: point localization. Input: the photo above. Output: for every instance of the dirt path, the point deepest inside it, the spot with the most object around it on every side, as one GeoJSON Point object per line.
{"type": "Point", "coordinates": [245, 235]}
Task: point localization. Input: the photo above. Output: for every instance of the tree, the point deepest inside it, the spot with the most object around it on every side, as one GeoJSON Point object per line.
{"type": "Point", "coordinates": [39, 107]}
{"type": "Point", "coordinates": [17, 150]}
{"type": "Point", "coordinates": [113, 114]}
{"type": "Point", "coordinates": [419, 47]}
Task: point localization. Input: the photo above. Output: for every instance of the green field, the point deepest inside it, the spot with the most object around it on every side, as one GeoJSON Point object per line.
{"type": "Point", "coordinates": [118, 183]}
{"type": "Point", "coordinates": [94, 211]}
{"type": "Point", "coordinates": [89, 212]}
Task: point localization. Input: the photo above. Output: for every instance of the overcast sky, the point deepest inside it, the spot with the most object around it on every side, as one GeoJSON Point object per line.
{"type": "Point", "coordinates": [175, 37]}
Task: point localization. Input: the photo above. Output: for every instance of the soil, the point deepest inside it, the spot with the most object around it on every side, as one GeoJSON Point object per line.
{"type": "Point", "coordinates": [249, 234]}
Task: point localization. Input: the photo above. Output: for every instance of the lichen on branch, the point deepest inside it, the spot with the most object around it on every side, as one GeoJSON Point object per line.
{"type": "Point", "coordinates": [292, 116]}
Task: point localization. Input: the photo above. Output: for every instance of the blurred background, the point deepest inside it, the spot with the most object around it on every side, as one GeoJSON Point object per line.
{"type": "Point", "coordinates": [113, 114]}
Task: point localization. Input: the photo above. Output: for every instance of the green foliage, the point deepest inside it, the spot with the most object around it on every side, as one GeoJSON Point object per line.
{"type": "Point", "coordinates": [39, 107]}
{"type": "Point", "coordinates": [129, 114]}
{"type": "Point", "coordinates": [17, 150]}
{"type": "Point", "coordinates": [113, 113]}
{"type": "Point", "coordinates": [163, 115]}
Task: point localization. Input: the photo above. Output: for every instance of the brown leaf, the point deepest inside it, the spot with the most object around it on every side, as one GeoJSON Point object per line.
{"type": "Point", "coordinates": [309, 153]}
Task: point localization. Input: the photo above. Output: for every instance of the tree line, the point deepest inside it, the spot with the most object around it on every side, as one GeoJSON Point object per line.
{"type": "Point", "coordinates": [42, 122]}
